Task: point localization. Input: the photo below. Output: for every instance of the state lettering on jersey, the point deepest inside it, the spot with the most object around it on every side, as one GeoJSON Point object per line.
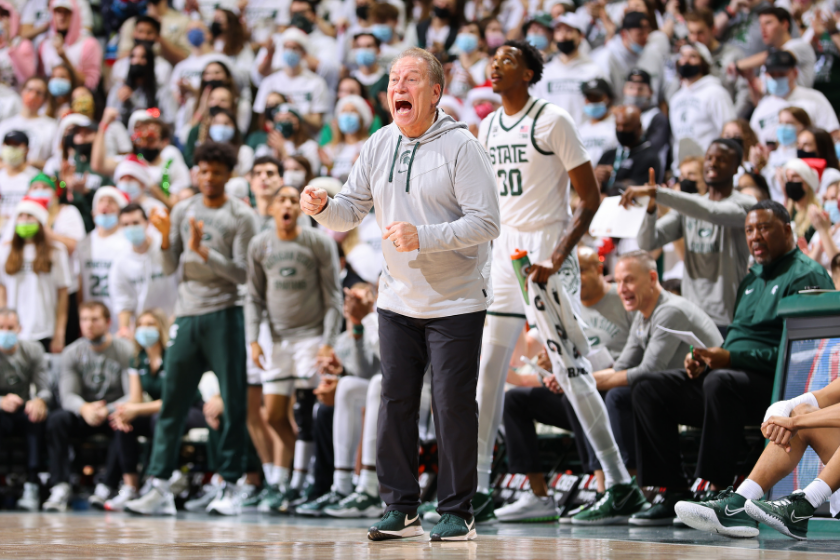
{"type": "Point", "coordinates": [502, 154]}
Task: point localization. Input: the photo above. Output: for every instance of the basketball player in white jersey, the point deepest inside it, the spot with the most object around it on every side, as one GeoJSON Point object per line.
{"type": "Point", "coordinates": [535, 150]}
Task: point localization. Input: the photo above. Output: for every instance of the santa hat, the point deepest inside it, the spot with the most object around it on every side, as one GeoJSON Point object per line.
{"type": "Point", "coordinates": [34, 207]}
{"type": "Point", "coordinates": [134, 167]}
{"type": "Point", "coordinates": [829, 177]}
{"type": "Point", "coordinates": [119, 197]}
{"type": "Point", "coordinates": [809, 174]}
{"type": "Point", "coordinates": [142, 115]}
{"type": "Point", "coordinates": [452, 103]}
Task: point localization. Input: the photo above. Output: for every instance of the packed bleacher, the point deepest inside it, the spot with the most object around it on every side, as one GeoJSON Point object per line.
{"type": "Point", "coordinates": [152, 160]}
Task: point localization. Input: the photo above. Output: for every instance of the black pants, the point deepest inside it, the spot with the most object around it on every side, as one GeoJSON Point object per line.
{"type": "Point", "coordinates": [61, 426]}
{"type": "Point", "coordinates": [619, 405]}
{"type": "Point", "coordinates": [452, 345]}
{"type": "Point", "coordinates": [17, 424]}
{"type": "Point", "coordinates": [721, 402]}
{"type": "Point", "coordinates": [524, 405]}
{"type": "Point", "coordinates": [324, 455]}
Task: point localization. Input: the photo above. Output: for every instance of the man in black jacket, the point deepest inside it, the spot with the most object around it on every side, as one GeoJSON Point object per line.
{"type": "Point", "coordinates": [629, 163]}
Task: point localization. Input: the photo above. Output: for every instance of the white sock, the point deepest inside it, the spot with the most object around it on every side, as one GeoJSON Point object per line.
{"type": "Point", "coordinates": [268, 472]}
{"type": "Point", "coordinates": [297, 480]}
{"type": "Point", "coordinates": [216, 480]}
{"type": "Point", "coordinates": [161, 484]}
{"type": "Point", "coordinates": [817, 492]}
{"type": "Point", "coordinates": [281, 476]}
{"type": "Point", "coordinates": [343, 481]}
{"type": "Point", "coordinates": [368, 483]}
{"type": "Point", "coordinates": [304, 450]}
{"type": "Point", "coordinates": [483, 480]}
{"type": "Point", "coordinates": [750, 490]}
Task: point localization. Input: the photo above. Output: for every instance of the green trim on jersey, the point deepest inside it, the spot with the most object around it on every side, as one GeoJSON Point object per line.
{"type": "Point", "coordinates": [534, 127]}
{"type": "Point", "coordinates": [525, 114]}
{"type": "Point", "coordinates": [501, 314]}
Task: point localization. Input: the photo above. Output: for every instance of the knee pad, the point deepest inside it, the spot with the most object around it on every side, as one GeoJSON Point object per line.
{"type": "Point", "coordinates": [304, 404]}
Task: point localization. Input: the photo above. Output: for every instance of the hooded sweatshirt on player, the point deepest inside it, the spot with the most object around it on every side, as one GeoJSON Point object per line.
{"type": "Point", "coordinates": [442, 183]}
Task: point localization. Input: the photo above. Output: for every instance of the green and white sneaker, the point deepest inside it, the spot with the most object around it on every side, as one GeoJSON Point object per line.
{"type": "Point", "coordinates": [396, 525]}
{"type": "Point", "coordinates": [270, 500]}
{"type": "Point", "coordinates": [315, 508]}
{"type": "Point", "coordinates": [251, 503]}
{"type": "Point", "coordinates": [287, 500]}
{"type": "Point", "coordinates": [661, 510]}
{"type": "Point", "coordinates": [723, 514]}
{"type": "Point", "coordinates": [453, 528]}
{"type": "Point", "coordinates": [788, 515]}
{"type": "Point", "coordinates": [358, 504]}
{"type": "Point", "coordinates": [566, 518]}
{"type": "Point", "coordinates": [428, 512]}
{"type": "Point", "coordinates": [615, 507]}
{"type": "Point", "coordinates": [484, 510]}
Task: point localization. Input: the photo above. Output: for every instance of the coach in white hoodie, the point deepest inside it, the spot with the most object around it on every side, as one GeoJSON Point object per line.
{"type": "Point", "coordinates": [435, 196]}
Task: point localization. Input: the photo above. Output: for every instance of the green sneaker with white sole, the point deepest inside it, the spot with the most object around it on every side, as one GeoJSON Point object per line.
{"type": "Point", "coordinates": [616, 506]}
{"type": "Point", "coordinates": [723, 513]}
{"type": "Point", "coordinates": [396, 525]}
{"type": "Point", "coordinates": [453, 528]}
{"type": "Point", "coordinates": [788, 515]}
{"type": "Point", "coordinates": [358, 504]}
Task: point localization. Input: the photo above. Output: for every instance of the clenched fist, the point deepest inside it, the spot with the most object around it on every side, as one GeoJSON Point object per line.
{"type": "Point", "coordinates": [403, 235]}
{"type": "Point", "coordinates": [313, 200]}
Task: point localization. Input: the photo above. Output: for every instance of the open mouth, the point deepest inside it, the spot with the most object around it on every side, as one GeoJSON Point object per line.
{"type": "Point", "coordinates": [287, 217]}
{"type": "Point", "coordinates": [402, 106]}
{"type": "Point", "coordinates": [495, 78]}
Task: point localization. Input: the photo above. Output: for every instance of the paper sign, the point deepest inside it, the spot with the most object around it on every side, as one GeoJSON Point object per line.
{"type": "Point", "coordinates": [611, 220]}
{"type": "Point", "coordinates": [686, 336]}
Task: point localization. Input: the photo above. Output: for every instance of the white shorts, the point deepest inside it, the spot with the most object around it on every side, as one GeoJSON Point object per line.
{"type": "Point", "coordinates": [264, 338]}
{"type": "Point", "coordinates": [293, 366]}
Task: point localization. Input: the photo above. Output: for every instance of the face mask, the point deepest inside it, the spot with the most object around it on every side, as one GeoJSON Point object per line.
{"type": "Point", "coordinates": [495, 39]}
{"type": "Point", "coordinates": [348, 123]}
{"type": "Point", "coordinates": [595, 110]}
{"type": "Point", "coordinates": [777, 86]}
{"type": "Point", "coordinates": [365, 57]}
{"type": "Point", "coordinates": [83, 106]}
{"type": "Point", "coordinates": [221, 132]}
{"type": "Point", "coordinates": [383, 32]}
{"type": "Point", "coordinates": [8, 339]}
{"type": "Point", "coordinates": [40, 194]}
{"type": "Point", "coordinates": [294, 177]}
{"type": "Point", "coordinates": [833, 210]}
{"type": "Point", "coordinates": [131, 188]}
{"type": "Point", "coordinates": [144, 43]}
{"type": "Point", "coordinates": [441, 13]}
{"type": "Point", "coordinates": [106, 221]}
{"type": "Point", "coordinates": [27, 230]}
{"type": "Point", "coordinates": [640, 101]}
{"type": "Point", "coordinates": [627, 138]}
{"type": "Point", "coordinates": [285, 128]}
{"type": "Point", "coordinates": [688, 70]}
{"type": "Point", "coordinates": [59, 87]}
{"type": "Point", "coordinates": [13, 156]}
{"type": "Point", "coordinates": [136, 71]}
{"type": "Point", "coordinates": [566, 47]}
{"type": "Point", "coordinates": [483, 109]}
{"type": "Point", "coordinates": [362, 12]}
{"type": "Point", "coordinates": [466, 42]}
{"type": "Point", "coordinates": [213, 84]}
{"type": "Point", "coordinates": [786, 134]}
{"type": "Point", "coordinates": [195, 37]}
{"type": "Point", "coordinates": [291, 58]}
{"type": "Point", "coordinates": [539, 42]}
{"type": "Point", "coordinates": [216, 29]}
{"type": "Point", "coordinates": [136, 235]}
{"type": "Point", "coordinates": [837, 150]}
{"type": "Point", "coordinates": [270, 112]}
{"type": "Point", "coordinates": [636, 48]}
{"type": "Point", "coordinates": [149, 154]}
{"type": "Point", "coordinates": [794, 191]}
{"type": "Point", "coordinates": [84, 150]}
{"type": "Point", "coordinates": [300, 21]}
{"type": "Point", "coordinates": [688, 186]}
{"type": "Point", "coordinates": [146, 336]}
{"type": "Point", "coordinates": [802, 154]}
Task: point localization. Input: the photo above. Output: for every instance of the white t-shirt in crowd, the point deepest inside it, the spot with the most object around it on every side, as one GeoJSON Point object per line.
{"type": "Point", "coordinates": [806, 59]}
{"type": "Point", "coordinates": [137, 283]}
{"type": "Point", "coordinates": [40, 130]}
{"type": "Point", "coordinates": [13, 189]}
{"type": "Point", "coordinates": [766, 115]}
{"type": "Point", "coordinates": [307, 91]}
{"type": "Point", "coordinates": [343, 156]}
{"type": "Point", "coordinates": [598, 137]}
{"type": "Point", "coordinates": [96, 256]}
{"type": "Point", "coordinates": [561, 83]}
{"type": "Point", "coordinates": [698, 112]}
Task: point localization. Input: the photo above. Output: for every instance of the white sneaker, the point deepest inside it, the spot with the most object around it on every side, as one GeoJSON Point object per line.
{"type": "Point", "coordinates": [228, 501]}
{"type": "Point", "coordinates": [125, 495]}
{"type": "Point", "coordinates": [59, 497]}
{"type": "Point", "coordinates": [157, 501]}
{"type": "Point", "coordinates": [178, 483]}
{"type": "Point", "coordinates": [100, 495]}
{"type": "Point", "coordinates": [31, 499]}
{"type": "Point", "coordinates": [200, 503]}
{"type": "Point", "coordinates": [529, 508]}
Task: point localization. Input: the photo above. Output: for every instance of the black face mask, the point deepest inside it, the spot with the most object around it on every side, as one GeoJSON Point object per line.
{"type": "Point", "coordinates": [299, 20]}
{"type": "Point", "coordinates": [794, 191]}
{"type": "Point", "coordinates": [362, 12]}
{"type": "Point", "coordinates": [213, 84]}
{"type": "Point", "coordinates": [286, 128]}
{"type": "Point", "coordinates": [270, 112]}
{"type": "Point", "coordinates": [566, 47]}
{"type": "Point", "coordinates": [83, 150]}
{"type": "Point", "coordinates": [136, 71]}
{"type": "Point", "coordinates": [688, 70]}
{"type": "Point", "coordinates": [627, 138]}
{"type": "Point", "coordinates": [688, 186]}
{"type": "Point", "coordinates": [216, 29]}
{"type": "Point", "coordinates": [442, 13]}
{"type": "Point", "coordinates": [149, 154]}
{"type": "Point", "coordinates": [144, 42]}
{"type": "Point", "coordinates": [213, 111]}
{"type": "Point", "coordinates": [802, 154]}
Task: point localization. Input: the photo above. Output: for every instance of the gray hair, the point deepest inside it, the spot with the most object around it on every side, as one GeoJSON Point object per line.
{"type": "Point", "coordinates": [436, 75]}
{"type": "Point", "coordinates": [641, 257]}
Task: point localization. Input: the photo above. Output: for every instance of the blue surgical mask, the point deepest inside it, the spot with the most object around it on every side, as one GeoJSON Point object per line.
{"type": "Point", "coordinates": [136, 235]}
{"type": "Point", "coordinates": [221, 132]}
{"type": "Point", "coordinates": [40, 194]}
{"type": "Point", "coordinates": [539, 42]}
{"type": "Point", "coordinates": [348, 123]}
{"type": "Point", "coordinates": [59, 87]}
{"type": "Point", "coordinates": [382, 32]}
{"type": "Point", "coordinates": [786, 134]}
{"type": "Point", "coordinates": [837, 150]}
{"type": "Point", "coordinates": [365, 57]}
{"type": "Point", "coordinates": [8, 339]}
{"type": "Point", "coordinates": [291, 58]}
{"type": "Point", "coordinates": [106, 221]}
{"type": "Point", "coordinates": [833, 211]}
{"type": "Point", "coordinates": [467, 42]}
{"type": "Point", "coordinates": [777, 86]}
{"type": "Point", "coordinates": [636, 48]}
{"type": "Point", "coordinates": [146, 336]}
{"type": "Point", "coordinates": [131, 188]}
{"type": "Point", "coordinates": [595, 110]}
{"type": "Point", "coordinates": [195, 37]}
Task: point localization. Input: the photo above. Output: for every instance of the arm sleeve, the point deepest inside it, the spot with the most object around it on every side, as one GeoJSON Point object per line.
{"type": "Point", "coordinates": [361, 359]}
{"type": "Point", "coordinates": [70, 385]}
{"type": "Point", "coordinates": [40, 375]}
{"type": "Point", "coordinates": [656, 233]}
{"type": "Point", "coordinates": [661, 346]}
{"type": "Point", "coordinates": [724, 213]}
{"type": "Point", "coordinates": [255, 304]}
{"type": "Point", "coordinates": [475, 190]}
{"type": "Point", "coordinates": [123, 295]}
{"type": "Point", "coordinates": [352, 204]}
{"type": "Point", "coordinates": [172, 256]}
{"type": "Point", "coordinates": [331, 290]}
{"type": "Point", "coordinates": [235, 268]}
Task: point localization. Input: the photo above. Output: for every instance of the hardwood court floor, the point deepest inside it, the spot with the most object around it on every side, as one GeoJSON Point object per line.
{"type": "Point", "coordinates": [94, 536]}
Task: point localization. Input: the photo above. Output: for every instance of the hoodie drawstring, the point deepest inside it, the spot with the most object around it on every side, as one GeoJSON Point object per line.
{"type": "Point", "coordinates": [394, 161]}
{"type": "Point", "coordinates": [410, 162]}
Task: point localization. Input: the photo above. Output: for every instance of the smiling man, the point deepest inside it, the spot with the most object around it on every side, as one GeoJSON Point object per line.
{"type": "Point", "coordinates": [434, 193]}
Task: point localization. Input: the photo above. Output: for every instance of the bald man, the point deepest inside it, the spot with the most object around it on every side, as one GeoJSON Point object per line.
{"type": "Point", "coordinates": [628, 164]}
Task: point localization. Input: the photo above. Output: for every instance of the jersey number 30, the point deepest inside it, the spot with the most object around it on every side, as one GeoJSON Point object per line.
{"type": "Point", "coordinates": [511, 182]}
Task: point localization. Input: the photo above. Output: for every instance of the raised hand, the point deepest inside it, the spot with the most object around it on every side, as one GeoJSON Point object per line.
{"type": "Point", "coordinates": [313, 200]}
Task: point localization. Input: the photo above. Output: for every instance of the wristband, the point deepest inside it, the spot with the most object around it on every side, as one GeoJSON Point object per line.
{"type": "Point", "coordinates": [359, 329]}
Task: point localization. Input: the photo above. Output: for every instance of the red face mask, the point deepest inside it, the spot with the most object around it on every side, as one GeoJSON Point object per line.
{"type": "Point", "coordinates": [483, 109]}
{"type": "Point", "coordinates": [32, 100]}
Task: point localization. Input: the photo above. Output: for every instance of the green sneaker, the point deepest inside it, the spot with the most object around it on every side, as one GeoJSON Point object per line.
{"type": "Point", "coordinates": [483, 508]}
{"type": "Point", "coordinates": [357, 504]}
{"type": "Point", "coordinates": [254, 501]}
{"type": "Point", "coordinates": [453, 528]}
{"type": "Point", "coordinates": [788, 515]}
{"type": "Point", "coordinates": [618, 504]}
{"type": "Point", "coordinates": [661, 510]}
{"type": "Point", "coordinates": [723, 514]}
{"type": "Point", "coordinates": [396, 525]}
{"type": "Point", "coordinates": [428, 512]}
{"type": "Point", "coordinates": [315, 508]}
{"type": "Point", "coordinates": [287, 500]}
{"type": "Point", "coordinates": [271, 500]}
{"type": "Point", "coordinates": [566, 518]}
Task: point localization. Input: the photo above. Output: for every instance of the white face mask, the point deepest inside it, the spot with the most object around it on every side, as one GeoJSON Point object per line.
{"type": "Point", "coordinates": [12, 156]}
{"type": "Point", "coordinates": [132, 188]}
{"type": "Point", "coordinates": [294, 178]}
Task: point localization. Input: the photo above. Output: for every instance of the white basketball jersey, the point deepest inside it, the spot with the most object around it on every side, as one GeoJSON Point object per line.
{"type": "Point", "coordinates": [533, 180]}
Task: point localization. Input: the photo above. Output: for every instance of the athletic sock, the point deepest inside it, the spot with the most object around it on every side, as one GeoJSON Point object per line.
{"type": "Point", "coordinates": [281, 476]}
{"type": "Point", "coordinates": [483, 478]}
{"type": "Point", "coordinates": [268, 472]}
{"type": "Point", "coordinates": [304, 450]}
{"type": "Point", "coordinates": [297, 480]}
{"type": "Point", "coordinates": [750, 490]}
{"type": "Point", "coordinates": [368, 483]}
{"type": "Point", "coordinates": [343, 481]}
{"type": "Point", "coordinates": [817, 492]}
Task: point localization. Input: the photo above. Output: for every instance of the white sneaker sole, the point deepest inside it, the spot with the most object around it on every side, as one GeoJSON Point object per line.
{"type": "Point", "coordinates": [705, 519]}
{"type": "Point", "coordinates": [651, 522]}
{"type": "Point", "coordinates": [54, 508]}
{"type": "Point", "coordinates": [371, 512]}
{"type": "Point", "coordinates": [468, 537]}
{"type": "Point", "coordinates": [763, 517]}
{"type": "Point", "coordinates": [407, 533]}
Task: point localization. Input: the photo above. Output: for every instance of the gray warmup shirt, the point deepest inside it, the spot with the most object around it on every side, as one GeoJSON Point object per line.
{"type": "Point", "coordinates": [88, 376]}
{"type": "Point", "coordinates": [360, 356]}
{"type": "Point", "coordinates": [651, 350]}
{"type": "Point", "coordinates": [26, 366]}
{"type": "Point", "coordinates": [210, 286]}
{"type": "Point", "coordinates": [716, 252]}
{"type": "Point", "coordinates": [297, 283]}
{"type": "Point", "coordinates": [442, 183]}
{"type": "Point", "coordinates": [607, 323]}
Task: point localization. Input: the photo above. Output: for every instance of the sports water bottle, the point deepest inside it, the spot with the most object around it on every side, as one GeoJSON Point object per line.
{"type": "Point", "coordinates": [522, 265]}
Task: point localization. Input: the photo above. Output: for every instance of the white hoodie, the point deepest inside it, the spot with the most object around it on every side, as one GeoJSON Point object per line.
{"type": "Point", "coordinates": [699, 111]}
